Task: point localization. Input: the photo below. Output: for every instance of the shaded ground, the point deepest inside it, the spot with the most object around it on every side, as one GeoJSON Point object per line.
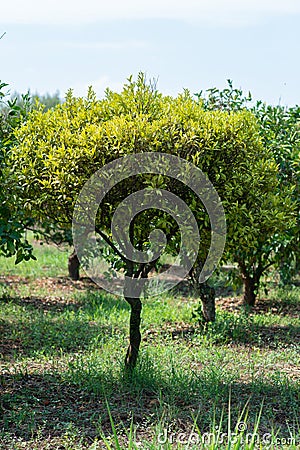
{"type": "Point", "coordinates": [49, 402]}
{"type": "Point", "coordinates": [263, 305]}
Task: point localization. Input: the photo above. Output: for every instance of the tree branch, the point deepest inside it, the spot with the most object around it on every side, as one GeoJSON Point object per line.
{"type": "Point", "coordinates": [111, 244]}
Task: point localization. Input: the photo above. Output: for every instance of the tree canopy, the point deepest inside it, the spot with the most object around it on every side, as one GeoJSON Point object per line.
{"type": "Point", "coordinates": [279, 128]}
{"type": "Point", "coordinates": [60, 149]}
{"type": "Point", "coordinates": [13, 220]}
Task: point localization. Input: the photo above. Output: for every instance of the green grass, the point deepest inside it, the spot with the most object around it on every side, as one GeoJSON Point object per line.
{"type": "Point", "coordinates": [51, 262]}
{"type": "Point", "coordinates": [63, 383]}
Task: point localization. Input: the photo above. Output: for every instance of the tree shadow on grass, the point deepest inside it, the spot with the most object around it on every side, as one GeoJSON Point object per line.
{"type": "Point", "coordinates": [262, 336]}
{"type": "Point", "coordinates": [87, 296]}
{"type": "Point", "coordinates": [284, 307]}
{"type": "Point", "coordinates": [20, 340]}
{"type": "Point", "coordinates": [290, 308]}
{"type": "Point", "coordinates": [275, 336]}
{"type": "Point", "coordinates": [49, 404]}
{"type": "Point", "coordinates": [68, 329]}
{"type": "Point", "coordinates": [45, 304]}
{"type": "Point", "coordinates": [233, 330]}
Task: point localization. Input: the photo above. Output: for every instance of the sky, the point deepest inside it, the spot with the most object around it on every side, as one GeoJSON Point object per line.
{"type": "Point", "coordinates": [53, 45]}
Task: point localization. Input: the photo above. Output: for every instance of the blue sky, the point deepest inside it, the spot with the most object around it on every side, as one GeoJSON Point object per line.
{"type": "Point", "coordinates": [57, 45]}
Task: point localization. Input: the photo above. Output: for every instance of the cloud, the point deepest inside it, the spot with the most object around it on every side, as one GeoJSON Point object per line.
{"type": "Point", "coordinates": [226, 12]}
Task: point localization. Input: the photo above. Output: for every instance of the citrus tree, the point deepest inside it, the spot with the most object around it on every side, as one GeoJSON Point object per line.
{"type": "Point", "coordinates": [280, 131]}
{"type": "Point", "coordinates": [60, 150]}
{"type": "Point", "coordinates": [13, 220]}
{"type": "Point", "coordinates": [274, 213]}
{"type": "Point", "coordinates": [14, 110]}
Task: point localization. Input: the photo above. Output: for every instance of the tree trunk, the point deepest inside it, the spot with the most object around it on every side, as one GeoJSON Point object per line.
{"type": "Point", "coordinates": [250, 290]}
{"type": "Point", "coordinates": [73, 266]}
{"type": "Point", "coordinates": [208, 299]}
{"type": "Point", "coordinates": [134, 332]}
{"type": "Point", "coordinates": [207, 296]}
{"type": "Point", "coordinates": [251, 282]}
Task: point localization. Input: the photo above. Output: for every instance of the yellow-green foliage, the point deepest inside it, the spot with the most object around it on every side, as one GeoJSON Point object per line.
{"type": "Point", "coordinates": [61, 148]}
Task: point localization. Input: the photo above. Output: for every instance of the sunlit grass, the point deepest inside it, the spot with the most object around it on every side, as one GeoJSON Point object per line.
{"type": "Point", "coordinates": [51, 262]}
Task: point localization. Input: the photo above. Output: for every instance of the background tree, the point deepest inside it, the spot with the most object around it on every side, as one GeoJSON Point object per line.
{"type": "Point", "coordinates": [275, 243]}
{"type": "Point", "coordinates": [47, 230]}
{"type": "Point", "coordinates": [47, 100]}
{"type": "Point", "coordinates": [60, 149]}
{"type": "Point", "coordinates": [280, 131]}
{"type": "Point", "coordinates": [51, 232]}
{"type": "Point", "coordinates": [13, 221]}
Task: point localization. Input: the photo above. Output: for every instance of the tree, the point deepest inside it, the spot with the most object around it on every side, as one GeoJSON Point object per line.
{"type": "Point", "coordinates": [14, 110]}
{"type": "Point", "coordinates": [13, 221]}
{"type": "Point", "coordinates": [61, 149]}
{"type": "Point", "coordinates": [51, 232]}
{"type": "Point", "coordinates": [280, 131]}
{"type": "Point", "coordinates": [271, 211]}
{"type": "Point", "coordinates": [48, 100]}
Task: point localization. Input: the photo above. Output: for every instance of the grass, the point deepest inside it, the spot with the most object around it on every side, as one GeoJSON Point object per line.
{"type": "Point", "coordinates": [63, 384]}
{"type": "Point", "coordinates": [51, 262]}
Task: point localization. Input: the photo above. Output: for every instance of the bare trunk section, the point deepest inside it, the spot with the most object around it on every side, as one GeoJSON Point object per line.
{"type": "Point", "coordinates": [208, 299]}
{"type": "Point", "coordinates": [251, 280]}
{"type": "Point", "coordinates": [250, 290]}
{"type": "Point", "coordinates": [73, 266]}
{"type": "Point", "coordinates": [207, 295]}
{"type": "Point", "coordinates": [134, 332]}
